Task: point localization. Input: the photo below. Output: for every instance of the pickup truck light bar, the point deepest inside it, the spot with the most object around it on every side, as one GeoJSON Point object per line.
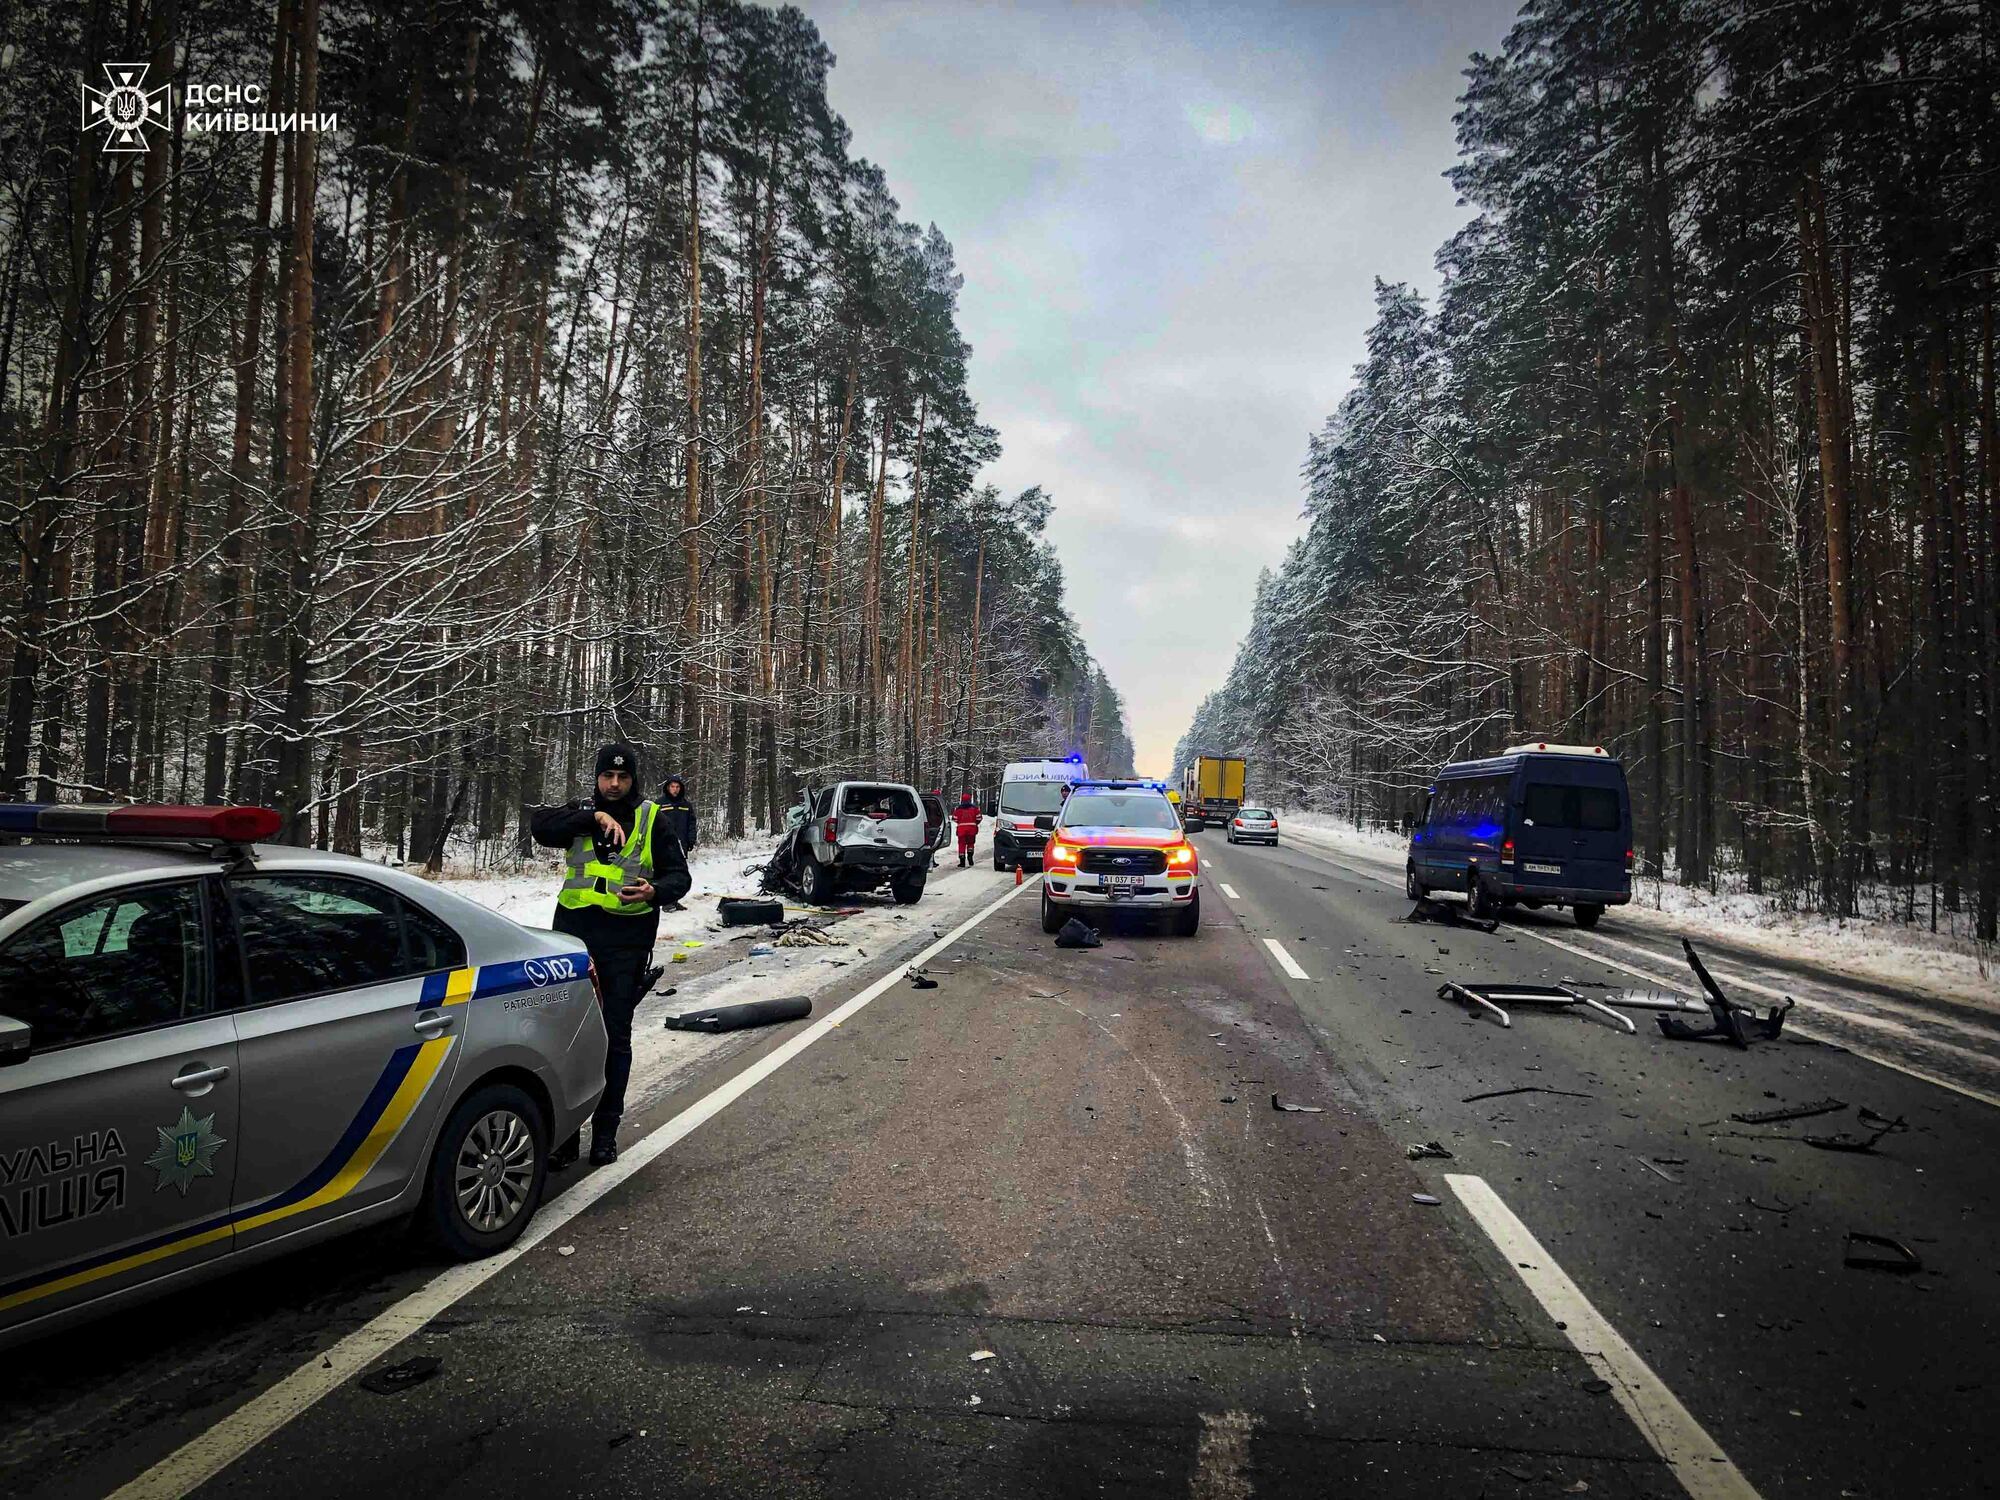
{"type": "Point", "coordinates": [109, 823]}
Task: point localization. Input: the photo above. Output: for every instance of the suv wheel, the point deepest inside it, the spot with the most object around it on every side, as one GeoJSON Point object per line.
{"type": "Point", "coordinates": [1187, 923]}
{"type": "Point", "coordinates": [816, 881]}
{"type": "Point", "coordinates": [1052, 917]}
{"type": "Point", "coordinates": [487, 1173]}
{"type": "Point", "coordinates": [907, 889]}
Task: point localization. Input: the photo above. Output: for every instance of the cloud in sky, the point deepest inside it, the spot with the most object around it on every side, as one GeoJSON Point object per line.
{"type": "Point", "coordinates": [1169, 219]}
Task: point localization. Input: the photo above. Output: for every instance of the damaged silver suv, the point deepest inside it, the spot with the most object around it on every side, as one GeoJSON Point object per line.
{"type": "Point", "coordinates": [854, 836]}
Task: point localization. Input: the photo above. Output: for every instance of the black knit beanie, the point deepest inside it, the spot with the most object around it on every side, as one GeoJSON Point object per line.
{"type": "Point", "coordinates": [617, 756]}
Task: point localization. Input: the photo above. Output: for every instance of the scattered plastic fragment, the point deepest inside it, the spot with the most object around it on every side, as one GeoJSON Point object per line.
{"type": "Point", "coordinates": [1429, 1149]}
{"type": "Point", "coordinates": [1792, 1112]}
{"type": "Point", "coordinates": [979, 1354]}
{"type": "Point", "coordinates": [1877, 1252]}
{"type": "Point", "coordinates": [401, 1377]}
{"type": "Point", "coordinates": [1658, 1171]}
{"type": "Point", "coordinates": [1426, 1199]}
{"type": "Point", "coordinates": [1296, 1109]}
{"type": "Point", "coordinates": [1738, 1025]}
{"type": "Point", "coordinates": [1595, 1387]}
{"type": "Point", "coordinates": [691, 942]}
{"type": "Point", "coordinates": [1532, 1088]}
{"type": "Point", "coordinates": [919, 979]}
{"type": "Point", "coordinates": [565, 1250]}
{"type": "Point", "coordinates": [761, 950]}
{"type": "Point", "coordinates": [1851, 1143]}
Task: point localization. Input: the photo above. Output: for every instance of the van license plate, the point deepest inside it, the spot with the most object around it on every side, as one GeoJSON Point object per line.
{"type": "Point", "coordinates": [1543, 869]}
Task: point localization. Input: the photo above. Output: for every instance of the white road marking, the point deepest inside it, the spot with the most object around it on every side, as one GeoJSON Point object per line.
{"type": "Point", "coordinates": [1679, 984]}
{"type": "Point", "coordinates": [205, 1456]}
{"type": "Point", "coordinates": [1229, 890]}
{"type": "Point", "coordinates": [1285, 960]}
{"type": "Point", "coordinates": [1222, 1460]}
{"type": "Point", "coordinates": [1702, 1468]}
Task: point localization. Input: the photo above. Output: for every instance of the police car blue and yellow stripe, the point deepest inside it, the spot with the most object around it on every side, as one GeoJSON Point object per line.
{"type": "Point", "coordinates": [396, 1096]}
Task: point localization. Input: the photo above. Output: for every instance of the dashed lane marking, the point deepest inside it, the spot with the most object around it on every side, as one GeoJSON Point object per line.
{"type": "Point", "coordinates": [1702, 1468]}
{"type": "Point", "coordinates": [1229, 890]}
{"type": "Point", "coordinates": [205, 1456]}
{"type": "Point", "coordinates": [1285, 960]}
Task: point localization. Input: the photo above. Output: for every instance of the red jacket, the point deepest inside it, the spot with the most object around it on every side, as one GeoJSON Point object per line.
{"type": "Point", "coordinates": [966, 817]}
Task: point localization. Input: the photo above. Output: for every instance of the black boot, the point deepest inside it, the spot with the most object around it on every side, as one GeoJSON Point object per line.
{"type": "Point", "coordinates": [603, 1147]}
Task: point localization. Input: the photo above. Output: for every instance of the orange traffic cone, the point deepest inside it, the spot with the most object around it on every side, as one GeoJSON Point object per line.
{"type": "Point", "coordinates": [1018, 877]}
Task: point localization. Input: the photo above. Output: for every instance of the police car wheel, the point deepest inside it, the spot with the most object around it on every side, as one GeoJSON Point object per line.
{"type": "Point", "coordinates": [487, 1173]}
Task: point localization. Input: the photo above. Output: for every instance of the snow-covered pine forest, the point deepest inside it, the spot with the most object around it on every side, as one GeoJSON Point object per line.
{"type": "Point", "coordinates": [579, 382]}
{"type": "Point", "coordinates": [1693, 455]}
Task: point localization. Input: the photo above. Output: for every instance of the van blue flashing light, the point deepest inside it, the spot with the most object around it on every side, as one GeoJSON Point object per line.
{"type": "Point", "coordinates": [229, 825]}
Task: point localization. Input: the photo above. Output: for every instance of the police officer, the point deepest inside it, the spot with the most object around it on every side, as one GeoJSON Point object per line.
{"type": "Point", "coordinates": [619, 871]}
{"type": "Point", "coordinates": [677, 812]}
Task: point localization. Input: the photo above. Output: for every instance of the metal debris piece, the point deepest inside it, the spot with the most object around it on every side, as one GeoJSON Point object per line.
{"type": "Point", "coordinates": [1850, 1143]}
{"type": "Point", "coordinates": [1449, 914]}
{"type": "Point", "coordinates": [1738, 1025]}
{"type": "Point", "coordinates": [1296, 1109]}
{"type": "Point", "coordinates": [1429, 1149]}
{"type": "Point", "coordinates": [1489, 996]}
{"type": "Point", "coordinates": [919, 979]}
{"type": "Point", "coordinates": [398, 1378]}
{"type": "Point", "coordinates": [1825, 1106]}
{"type": "Point", "coordinates": [1426, 1199]}
{"type": "Point", "coordinates": [1659, 1171]}
{"type": "Point", "coordinates": [1532, 1088]}
{"type": "Point", "coordinates": [1877, 1252]}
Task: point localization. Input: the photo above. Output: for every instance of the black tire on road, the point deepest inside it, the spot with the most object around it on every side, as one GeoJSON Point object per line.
{"type": "Point", "coordinates": [1187, 923]}
{"type": "Point", "coordinates": [815, 881]}
{"type": "Point", "coordinates": [487, 1172]}
{"type": "Point", "coordinates": [907, 889]}
{"type": "Point", "coordinates": [1414, 888]}
{"type": "Point", "coordinates": [1587, 913]}
{"type": "Point", "coordinates": [1478, 900]}
{"type": "Point", "coordinates": [1052, 919]}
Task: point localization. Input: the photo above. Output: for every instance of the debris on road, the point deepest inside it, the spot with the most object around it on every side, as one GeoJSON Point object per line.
{"type": "Point", "coordinates": [1296, 1109]}
{"type": "Point", "coordinates": [749, 911]}
{"type": "Point", "coordinates": [398, 1378]}
{"type": "Point", "coordinates": [1738, 1025]}
{"type": "Point", "coordinates": [1851, 1143]}
{"type": "Point", "coordinates": [1077, 933]}
{"type": "Point", "coordinates": [1429, 1149]}
{"type": "Point", "coordinates": [1658, 1171]}
{"type": "Point", "coordinates": [761, 950]}
{"type": "Point", "coordinates": [804, 933]}
{"type": "Point", "coordinates": [1426, 1199]}
{"type": "Point", "coordinates": [1531, 1088]}
{"type": "Point", "coordinates": [919, 979]}
{"type": "Point", "coordinates": [565, 1250]}
{"type": "Point", "coordinates": [1825, 1106]}
{"type": "Point", "coordinates": [1874, 1252]}
{"type": "Point", "coordinates": [736, 1017]}
{"type": "Point", "coordinates": [651, 977]}
{"type": "Point", "coordinates": [979, 1354]}
{"type": "Point", "coordinates": [1489, 996]}
{"type": "Point", "coordinates": [1449, 914]}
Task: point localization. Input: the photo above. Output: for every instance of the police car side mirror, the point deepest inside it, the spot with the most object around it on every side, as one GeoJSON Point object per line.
{"type": "Point", "coordinates": [17, 1039]}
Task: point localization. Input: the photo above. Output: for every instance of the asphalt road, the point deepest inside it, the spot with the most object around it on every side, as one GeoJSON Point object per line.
{"type": "Point", "coordinates": [1071, 1160]}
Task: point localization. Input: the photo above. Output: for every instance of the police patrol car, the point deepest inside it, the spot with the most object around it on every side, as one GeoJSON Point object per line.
{"type": "Point", "coordinates": [214, 1050]}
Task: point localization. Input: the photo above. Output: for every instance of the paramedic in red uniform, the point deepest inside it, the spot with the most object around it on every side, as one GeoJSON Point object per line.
{"type": "Point", "coordinates": [965, 817]}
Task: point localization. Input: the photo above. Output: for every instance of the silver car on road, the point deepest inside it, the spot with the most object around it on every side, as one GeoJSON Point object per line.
{"type": "Point", "coordinates": [213, 1050]}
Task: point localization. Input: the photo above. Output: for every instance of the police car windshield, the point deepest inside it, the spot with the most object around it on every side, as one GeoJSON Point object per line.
{"type": "Point", "coordinates": [1119, 810]}
{"type": "Point", "coordinates": [1031, 796]}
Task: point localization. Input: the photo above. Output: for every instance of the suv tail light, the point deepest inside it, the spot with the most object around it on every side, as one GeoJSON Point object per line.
{"type": "Point", "coordinates": [830, 830]}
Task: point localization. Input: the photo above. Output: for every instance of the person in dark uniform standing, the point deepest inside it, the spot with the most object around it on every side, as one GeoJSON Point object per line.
{"type": "Point", "coordinates": [621, 868]}
{"type": "Point", "coordinates": [677, 812]}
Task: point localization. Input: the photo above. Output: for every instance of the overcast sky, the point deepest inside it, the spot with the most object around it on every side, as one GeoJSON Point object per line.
{"type": "Point", "coordinates": [1169, 218]}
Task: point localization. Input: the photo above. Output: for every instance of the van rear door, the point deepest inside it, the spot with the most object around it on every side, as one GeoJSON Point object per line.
{"type": "Point", "coordinates": [1574, 826]}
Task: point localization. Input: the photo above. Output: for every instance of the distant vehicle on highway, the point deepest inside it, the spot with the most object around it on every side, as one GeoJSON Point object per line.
{"type": "Point", "coordinates": [1538, 825]}
{"type": "Point", "coordinates": [1031, 794]}
{"type": "Point", "coordinates": [1254, 825]}
{"type": "Point", "coordinates": [214, 1050]}
{"type": "Point", "coordinates": [855, 836]}
{"type": "Point", "coordinates": [1211, 789]}
{"type": "Point", "coordinates": [1120, 845]}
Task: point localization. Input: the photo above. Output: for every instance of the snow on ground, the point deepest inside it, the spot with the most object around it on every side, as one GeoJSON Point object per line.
{"type": "Point", "coordinates": [1945, 966]}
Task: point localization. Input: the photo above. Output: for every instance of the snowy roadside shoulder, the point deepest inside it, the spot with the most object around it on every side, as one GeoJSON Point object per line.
{"type": "Point", "coordinates": [1940, 965]}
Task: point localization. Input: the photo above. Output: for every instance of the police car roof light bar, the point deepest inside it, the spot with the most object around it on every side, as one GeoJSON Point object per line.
{"type": "Point", "coordinates": [86, 820]}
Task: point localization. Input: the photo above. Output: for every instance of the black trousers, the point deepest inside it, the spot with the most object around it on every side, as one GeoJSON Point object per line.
{"type": "Point", "coordinates": [619, 971]}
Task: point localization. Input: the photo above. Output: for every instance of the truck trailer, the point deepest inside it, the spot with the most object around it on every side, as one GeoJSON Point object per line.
{"type": "Point", "coordinates": [1211, 790]}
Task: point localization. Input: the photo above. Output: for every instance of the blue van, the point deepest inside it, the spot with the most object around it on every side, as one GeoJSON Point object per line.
{"type": "Point", "coordinates": [1540, 825]}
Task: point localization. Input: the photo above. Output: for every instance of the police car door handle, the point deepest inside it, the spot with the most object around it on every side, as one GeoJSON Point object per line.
{"type": "Point", "coordinates": [437, 1023]}
{"type": "Point", "coordinates": [198, 1080]}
